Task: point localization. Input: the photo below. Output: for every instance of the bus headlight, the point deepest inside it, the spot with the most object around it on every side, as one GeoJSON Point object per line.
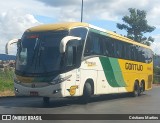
{"type": "Point", "coordinates": [59, 80]}
{"type": "Point", "coordinates": [16, 81]}
{"type": "Point", "coordinates": [16, 90]}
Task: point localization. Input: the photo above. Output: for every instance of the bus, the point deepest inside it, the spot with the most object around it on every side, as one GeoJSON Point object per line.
{"type": "Point", "coordinates": [80, 60]}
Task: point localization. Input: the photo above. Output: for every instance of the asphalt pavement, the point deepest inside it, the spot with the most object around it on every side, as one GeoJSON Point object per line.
{"type": "Point", "coordinates": [147, 103]}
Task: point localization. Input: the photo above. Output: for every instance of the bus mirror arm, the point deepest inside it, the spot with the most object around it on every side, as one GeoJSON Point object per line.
{"type": "Point", "coordinates": [65, 40]}
{"type": "Point", "coordinates": [9, 43]}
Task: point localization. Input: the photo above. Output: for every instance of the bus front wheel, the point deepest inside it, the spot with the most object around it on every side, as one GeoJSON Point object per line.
{"type": "Point", "coordinates": [87, 92]}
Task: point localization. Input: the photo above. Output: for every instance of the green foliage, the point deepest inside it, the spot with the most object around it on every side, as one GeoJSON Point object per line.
{"type": "Point", "coordinates": [6, 80]}
{"type": "Point", "coordinates": [136, 25]}
{"type": "Point", "coordinates": [156, 79]}
{"type": "Point", "coordinates": [156, 70]}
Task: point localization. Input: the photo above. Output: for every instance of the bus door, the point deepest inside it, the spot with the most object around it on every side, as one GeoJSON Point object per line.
{"type": "Point", "coordinates": [71, 61]}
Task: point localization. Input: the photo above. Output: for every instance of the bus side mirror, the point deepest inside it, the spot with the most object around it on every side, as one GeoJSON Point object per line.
{"type": "Point", "coordinates": [64, 41]}
{"type": "Point", "coordinates": [19, 43]}
{"type": "Point", "coordinates": [9, 43]}
{"type": "Point", "coordinates": [73, 53]}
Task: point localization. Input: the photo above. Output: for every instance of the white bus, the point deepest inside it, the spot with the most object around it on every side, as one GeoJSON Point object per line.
{"type": "Point", "coordinates": [80, 60]}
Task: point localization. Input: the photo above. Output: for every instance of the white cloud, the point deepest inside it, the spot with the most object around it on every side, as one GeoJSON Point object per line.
{"type": "Point", "coordinates": [156, 44]}
{"type": "Point", "coordinates": [153, 16]}
{"type": "Point", "coordinates": [12, 25]}
{"type": "Point", "coordinates": [69, 10]}
{"type": "Point", "coordinates": [103, 10]}
{"type": "Point", "coordinates": [13, 22]}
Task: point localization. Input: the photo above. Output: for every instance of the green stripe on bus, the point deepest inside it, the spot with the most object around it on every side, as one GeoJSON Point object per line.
{"type": "Point", "coordinates": [112, 72]}
{"type": "Point", "coordinates": [107, 68]}
{"type": "Point", "coordinates": [117, 72]}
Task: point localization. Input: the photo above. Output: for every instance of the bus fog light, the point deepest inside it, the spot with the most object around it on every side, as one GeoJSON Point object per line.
{"type": "Point", "coordinates": [56, 91]}
{"type": "Point", "coordinates": [16, 90]}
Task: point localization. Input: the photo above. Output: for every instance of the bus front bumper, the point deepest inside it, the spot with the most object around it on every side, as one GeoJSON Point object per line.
{"type": "Point", "coordinates": [47, 91]}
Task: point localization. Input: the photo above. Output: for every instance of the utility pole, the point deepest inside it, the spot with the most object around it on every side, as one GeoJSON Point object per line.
{"type": "Point", "coordinates": [82, 11]}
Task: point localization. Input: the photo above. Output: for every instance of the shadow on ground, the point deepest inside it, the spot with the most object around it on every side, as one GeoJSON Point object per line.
{"type": "Point", "coordinates": [37, 102]}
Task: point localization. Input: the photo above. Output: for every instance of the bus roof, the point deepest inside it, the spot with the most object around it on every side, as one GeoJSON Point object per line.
{"type": "Point", "coordinates": [59, 26]}
{"type": "Point", "coordinates": [69, 25]}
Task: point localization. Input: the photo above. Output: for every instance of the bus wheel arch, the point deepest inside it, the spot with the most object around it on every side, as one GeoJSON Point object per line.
{"type": "Point", "coordinates": [91, 82]}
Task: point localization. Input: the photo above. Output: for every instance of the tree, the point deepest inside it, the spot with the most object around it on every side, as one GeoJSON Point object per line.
{"type": "Point", "coordinates": [136, 25]}
{"type": "Point", "coordinates": [156, 70]}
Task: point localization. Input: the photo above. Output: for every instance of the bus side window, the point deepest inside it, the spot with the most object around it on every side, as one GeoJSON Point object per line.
{"type": "Point", "coordinates": [93, 45]}
{"type": "Point", "coordinates": [111, 48]}
{"type": "Point", "coordinates": [96, 45]}
{"type": "Point", "coordinates": [88, 47]}
{"type": "Point", "coordinates": [104, 47]}
{"type": "Point", "coordinates": [148, 55]}
{"type": "Point", "coordinates": [118, 49]}
{"type": "Point", "coordinates": [136, 52]}
{"type": "Point", "coordinates": [124, 51]}
{"type": "Point", "coordinates": [128, 51]}
{"type": "Point", "coordinates": [132, 52]}
{"type": "Point", "coordinates": [109, 45]}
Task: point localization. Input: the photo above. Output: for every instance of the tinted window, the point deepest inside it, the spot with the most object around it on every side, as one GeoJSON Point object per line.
{"type": "Point", "coordinates": [79, 32]}
{"type": "Point", "coordinates": [118, 49]}
{"type": "Point", "coordinates": [94, 45]}
{"type": "Point", "coordinates": [109, 45]}
{"type": "Point", "coordinates": [98, 44]}
{"type": "Point", "coordinates": [89, 47]}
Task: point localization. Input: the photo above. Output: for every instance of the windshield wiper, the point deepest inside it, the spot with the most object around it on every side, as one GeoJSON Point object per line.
{"type": "Point", "coordinates": [34, 51]}
{"type": "Point", "coordinates": [39, 57]}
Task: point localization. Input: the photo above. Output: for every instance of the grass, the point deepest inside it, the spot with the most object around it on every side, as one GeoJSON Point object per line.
{"type": "Point", "coordinates": [6, 82]}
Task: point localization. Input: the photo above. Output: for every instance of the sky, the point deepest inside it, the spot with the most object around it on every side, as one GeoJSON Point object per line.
{"type": "Point", "coordinates": [18, 15]}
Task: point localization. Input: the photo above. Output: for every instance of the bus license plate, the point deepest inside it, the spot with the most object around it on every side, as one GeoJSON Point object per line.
{"type": "Point", "coordinates": [33, 93]}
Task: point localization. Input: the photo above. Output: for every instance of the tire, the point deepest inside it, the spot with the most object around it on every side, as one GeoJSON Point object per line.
{"type": "Point", "coordinates": [46, 100]}
{"type": "Point", "coordinates": [136, 91]}
{"type": "Point", "coordinates": [87, 92]}
{"type": "Point", "coordinates": [142, 87]}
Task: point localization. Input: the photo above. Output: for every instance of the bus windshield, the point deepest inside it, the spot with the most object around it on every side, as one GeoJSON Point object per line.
{"type": "Point", "coordinates": [38, 53]}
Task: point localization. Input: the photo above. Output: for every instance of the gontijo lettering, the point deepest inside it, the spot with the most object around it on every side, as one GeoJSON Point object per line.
{"type": "Point", "coordinates": [131, 66]}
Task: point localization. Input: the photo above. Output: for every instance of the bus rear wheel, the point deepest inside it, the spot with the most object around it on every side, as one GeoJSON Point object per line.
{"type": "Point", "coordinates": [142, 87]}
{"type": "Point", "coordinates": [136, 91]}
